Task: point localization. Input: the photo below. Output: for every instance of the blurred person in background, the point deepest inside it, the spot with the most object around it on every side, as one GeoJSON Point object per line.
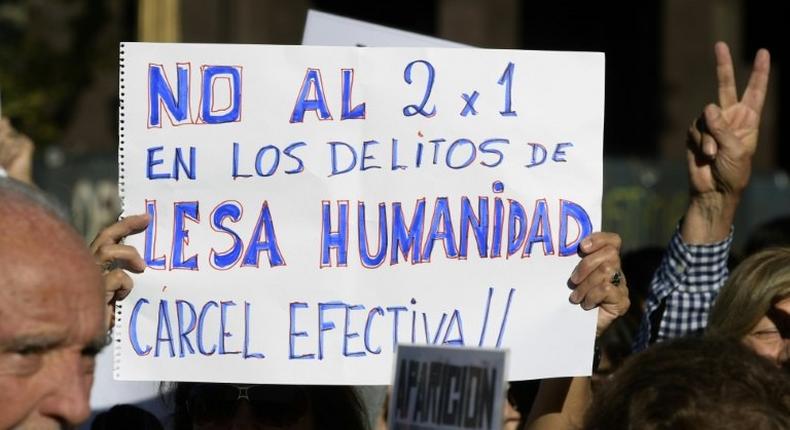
{"type": "Point", "coordinates": [754, 305]}
{"type": "Point", "coordinates": [694, 383]}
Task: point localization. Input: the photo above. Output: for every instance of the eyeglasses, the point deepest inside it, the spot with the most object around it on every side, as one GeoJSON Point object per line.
{"type": "Point", "coordinates": [276, 405]}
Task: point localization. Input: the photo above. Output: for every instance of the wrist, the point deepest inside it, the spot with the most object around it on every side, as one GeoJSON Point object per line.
{"type": "Point", "coordinates": [715, 199]}
{"type": "Point", "coordinates": [709, 217]}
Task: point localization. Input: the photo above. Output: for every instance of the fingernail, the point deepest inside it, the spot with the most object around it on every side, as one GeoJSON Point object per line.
{"type": "Point", "coordinates": [574, 274]}
{"type": "Point", "coordinates": [586, 243]}
{"type": "Point", "coordinates": [573, 298]}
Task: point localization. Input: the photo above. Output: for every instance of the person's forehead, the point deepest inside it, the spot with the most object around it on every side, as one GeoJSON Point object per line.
{"type": "Point", "coordinates": [45, 294]}
{"type": "Point", "coordinates": [49, 286]}
{"type": "Point", "coordinates": [36, 277]}
{"type": "Point", "coordinates": [33, 298]}
{"type": "Point", "coordinates": [49, 313]}
{"type": "Point", "coordinates": [42, 252]}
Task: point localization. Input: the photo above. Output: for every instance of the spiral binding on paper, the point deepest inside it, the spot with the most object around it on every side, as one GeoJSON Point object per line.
{"type": "Point", "coordinates": [116, 331]}
{"type": "Point", "coordinates": [116, 341]}
{"type": "Point", "coordinates": [121, 128]}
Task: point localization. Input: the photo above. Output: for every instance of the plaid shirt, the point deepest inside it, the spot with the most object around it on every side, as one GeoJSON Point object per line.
{"type": "Point", "coordinates": [686, 283]}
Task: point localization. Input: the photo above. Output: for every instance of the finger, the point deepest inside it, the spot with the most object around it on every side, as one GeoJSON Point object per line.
{"type": "Point", "coordinates": [754, 95]}
{"type": "Point", "coordinates": [117, 285]}
{"type": "Point", "coordinates": [613, 297]}
{"type": "Point", "coordinates": [728, 94]}
{"type": "Point", "coordinates": [605, 293]}
{"type": "Point", "coordinates": [5, 128]}
{"type": "Point", "coordinates": [700, 142]}
{"type": "Point", "coordinates": [599, 240]}
{"type": "Point", "coordinates": [596, 280]}
{"type": "Point", "coordinates": [708, 146]}
{"type": "Point", "coordinates": [116, 232]}
{"type": "Point", "coordinates": [605, 257]}
{"type": "Point", "coordinates": [695, 131]}
{"type": "Point", "coordinates": [618, 296]}
{"type": "Point", "coordinates": [123, 256]}
{"type": "Point", "coordinates": [612, 306]}
{"type": "Point", "coordinates": [720, 135]}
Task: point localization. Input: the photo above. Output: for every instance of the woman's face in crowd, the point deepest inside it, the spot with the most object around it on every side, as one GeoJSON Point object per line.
{"type": "Point", "coordinates": [771, 336]}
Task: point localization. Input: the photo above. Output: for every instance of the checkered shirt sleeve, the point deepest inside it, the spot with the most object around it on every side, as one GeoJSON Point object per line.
{"type": "Point", "coordinates": [687, 282]}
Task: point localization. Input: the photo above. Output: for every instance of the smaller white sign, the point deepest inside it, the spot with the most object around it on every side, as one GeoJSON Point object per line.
{"type": "Point", "coordinates": [441, 387]}
{"type": "Point", "coordinates": [325, 29]}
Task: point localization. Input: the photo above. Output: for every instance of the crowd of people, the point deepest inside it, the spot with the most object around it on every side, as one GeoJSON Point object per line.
{"type": "Point", "coordinates": [687, 346]}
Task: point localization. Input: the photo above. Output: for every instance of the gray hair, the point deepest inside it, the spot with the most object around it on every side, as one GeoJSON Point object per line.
{"type": "Point", "coordinates": [35, 197]}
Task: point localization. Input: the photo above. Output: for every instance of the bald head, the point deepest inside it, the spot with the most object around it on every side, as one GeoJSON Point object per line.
{"type": "Point", "coordinates": [51, 313]}
{"type": "Point", "coordinates": [37, 235]}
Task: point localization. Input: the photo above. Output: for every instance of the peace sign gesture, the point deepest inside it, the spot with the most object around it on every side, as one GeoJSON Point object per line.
{"type": "Point", "coordinates": [721, 143]}
{"type": "Point", "coordinates": [720, 147]}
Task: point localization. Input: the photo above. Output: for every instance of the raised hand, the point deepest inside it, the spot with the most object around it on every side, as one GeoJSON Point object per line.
{"type": "Point", "coordinates": [720, 147]}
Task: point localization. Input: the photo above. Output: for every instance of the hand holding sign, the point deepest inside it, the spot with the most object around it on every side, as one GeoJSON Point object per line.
{"type": "Point", "coordinates": [115, 258]}
{"type": "Point", "coordinates": [598, 280]}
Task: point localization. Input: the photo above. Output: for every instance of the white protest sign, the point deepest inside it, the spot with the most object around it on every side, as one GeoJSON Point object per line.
{"type": "Point", "coordinates": [326, 29]}
{"type": "Point", "coordinates": [447, 388]}
{"type": "Point", "coordinates": [312, 207]}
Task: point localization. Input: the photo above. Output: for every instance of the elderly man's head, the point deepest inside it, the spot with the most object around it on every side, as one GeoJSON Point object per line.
{"type": "Point", "coordinates": [51, 314]}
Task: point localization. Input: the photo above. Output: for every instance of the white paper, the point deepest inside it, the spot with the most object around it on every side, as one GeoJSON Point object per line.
{"type": "Point", "coordinates": [557, 98]}
{"type": "Point", "coordinates": [325, 29]}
